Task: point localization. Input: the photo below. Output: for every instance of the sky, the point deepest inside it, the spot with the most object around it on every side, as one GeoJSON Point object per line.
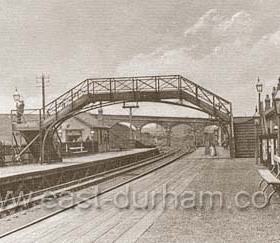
{"type": "Point", "coordinates": [223, 45]}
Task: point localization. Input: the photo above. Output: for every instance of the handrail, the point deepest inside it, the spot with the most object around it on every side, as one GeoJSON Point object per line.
{"type": "Point", "coordinates": [208, 91]}
{"type": "Point", "coordinates": [27, 113]}
{"type": "Point", "coordinates": [138, 84]}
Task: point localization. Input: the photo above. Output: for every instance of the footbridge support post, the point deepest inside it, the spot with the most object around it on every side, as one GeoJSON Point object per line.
{"type": "Point", "coordinates": [168, 131]}
{"type": "Point", "coordinates": [231, 135]}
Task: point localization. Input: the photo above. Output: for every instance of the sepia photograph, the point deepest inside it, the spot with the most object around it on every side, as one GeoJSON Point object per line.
{"type": "Point", "coordinates": [139, 121]}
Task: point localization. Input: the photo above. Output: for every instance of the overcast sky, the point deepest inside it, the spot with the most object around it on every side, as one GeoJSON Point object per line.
{"type": "Point", "coordinates": [224, 45]}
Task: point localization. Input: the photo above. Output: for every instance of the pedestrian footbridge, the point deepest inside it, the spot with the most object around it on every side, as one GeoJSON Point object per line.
{"type": "Point", "coordinates": [96, 93]}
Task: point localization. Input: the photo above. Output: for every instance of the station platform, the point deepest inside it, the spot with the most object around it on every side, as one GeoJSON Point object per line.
{"type": "Point", "coordinates": [30, 168]}
{"type": "Point", "coordinates": [34, 177]}
{"type": "Point", "coordinates": [166, 223]}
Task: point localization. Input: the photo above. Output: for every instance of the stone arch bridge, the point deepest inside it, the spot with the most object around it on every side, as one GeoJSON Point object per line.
{"type": "Point", "coordinates": [197, 124]}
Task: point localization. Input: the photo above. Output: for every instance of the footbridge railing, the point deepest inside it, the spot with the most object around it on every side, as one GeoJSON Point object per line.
{"type": "Point", "coordinates": [136, 85]}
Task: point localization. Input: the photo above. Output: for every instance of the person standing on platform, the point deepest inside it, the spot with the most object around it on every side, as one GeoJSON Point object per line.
{"type": "Point", "coordinates": [20, 110]}
{"type": "Point", "coordinates": [88, 145]}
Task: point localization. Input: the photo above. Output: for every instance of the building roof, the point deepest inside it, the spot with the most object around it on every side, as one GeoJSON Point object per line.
{"type": "Point", "coordinates": [90, 120]}
{"type": "Point", "coordinates": [6, 128]}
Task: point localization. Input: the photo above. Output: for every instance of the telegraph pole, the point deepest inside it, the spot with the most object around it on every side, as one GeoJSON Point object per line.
{"type": "Point", "coordinates": [43, 96]}
{"type": "Point", "coordinates": [42, 113]}
{"type": "Point", "coordinates": [42, 79]}
{"type": "Point", "coordinates": [130, 107]}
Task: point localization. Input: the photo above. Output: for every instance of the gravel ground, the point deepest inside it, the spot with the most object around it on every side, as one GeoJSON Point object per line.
{"type": "Point", "coordinates": [226, 224]}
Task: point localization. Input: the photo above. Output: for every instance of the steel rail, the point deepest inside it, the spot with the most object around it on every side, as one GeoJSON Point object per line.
{"type": "Point", "coordinates": [109, 173]}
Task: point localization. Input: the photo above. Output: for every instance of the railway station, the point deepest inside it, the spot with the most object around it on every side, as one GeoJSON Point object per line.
{"type": "Point", "coordinates": [155, 122]}
{"type": "Point", "coordinates": [67, 179]}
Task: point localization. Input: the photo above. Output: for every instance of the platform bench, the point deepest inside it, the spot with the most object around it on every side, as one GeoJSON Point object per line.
{"type": "Point", "coordinates": [76, 150]}
{"type": "Point", "coordinates": [271, 177]}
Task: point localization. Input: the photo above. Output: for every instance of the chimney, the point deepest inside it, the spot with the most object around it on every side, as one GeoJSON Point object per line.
{"type": "Point", "coordinates": [267, 103]}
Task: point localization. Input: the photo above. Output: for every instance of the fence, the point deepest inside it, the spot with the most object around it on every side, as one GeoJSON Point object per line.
{"type": "Point", "coordinates": [8, 156]}
{"type": "Point", "coordinates": [69, 149]}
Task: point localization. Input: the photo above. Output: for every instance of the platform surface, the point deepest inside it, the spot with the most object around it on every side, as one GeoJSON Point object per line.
{"type": "Point", "coordinates": [21, 169]}
{"type": "Point", "coordinates": [195, 173]}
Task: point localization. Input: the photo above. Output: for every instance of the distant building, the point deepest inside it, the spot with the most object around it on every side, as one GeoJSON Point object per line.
{"type": "Point", "coordinates": [84, 127]}
{"type": "Point", "coordinates": [154, 129]}
{"type": "Point", "coordinates": [183, 136]}
{"type": "Point", "coordinates": [119, 137]}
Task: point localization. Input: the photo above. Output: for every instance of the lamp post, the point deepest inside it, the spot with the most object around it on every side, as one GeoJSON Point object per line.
{"type": "Point", "coordinates": [277, 111]}
{"type": "Point", "coordinates": [256, 122]}
{"type": "Point", "coordinates": [19, 105]}
{"type": "Point", "coordinates": [259, 88]}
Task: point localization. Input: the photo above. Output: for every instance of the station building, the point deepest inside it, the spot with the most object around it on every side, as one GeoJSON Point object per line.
{"type": "Point", "coordinates": [84, 128]}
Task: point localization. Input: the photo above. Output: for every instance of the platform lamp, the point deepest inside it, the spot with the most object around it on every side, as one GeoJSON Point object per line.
{"type": "Point", "coordinates": [277, 111]}
{"type": "Point", "coordinates": [16, 96]}
{"type": "Point", "coordinates": [19, 105]}
{"type": "Point", "coordinates": [92, 132]}
{"type": "Point", "coordinates": [259, 88]}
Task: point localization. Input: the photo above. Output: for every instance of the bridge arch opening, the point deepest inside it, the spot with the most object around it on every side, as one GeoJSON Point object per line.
{"type": "Point", "coordinates": [120, 136]}
{"type": "Point", "coordinates": [183, 136]}
{"type": "Point", "coordinates": [218, 134]}
{"type": "Point", "coordinates": [153, 134]}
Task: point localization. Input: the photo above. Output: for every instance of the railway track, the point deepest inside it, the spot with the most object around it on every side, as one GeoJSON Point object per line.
{"type": "Point", "coordinates": [139, 169]}
{"type": "Point", "coordinates": [18, 203]}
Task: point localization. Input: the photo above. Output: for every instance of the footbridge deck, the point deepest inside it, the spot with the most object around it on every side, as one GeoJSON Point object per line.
{"type": "Point", "coordinates": [147, 88]}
